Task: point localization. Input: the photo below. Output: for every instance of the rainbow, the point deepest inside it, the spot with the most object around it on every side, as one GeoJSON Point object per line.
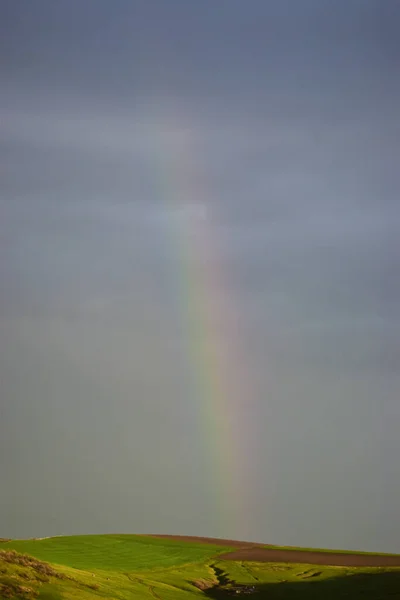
{"type": "Point", "coordinates": [219, 385]}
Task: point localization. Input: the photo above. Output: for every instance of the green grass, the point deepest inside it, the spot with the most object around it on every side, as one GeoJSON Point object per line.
{"type": "Point", "coordinates": [115, 552]}
{"type": "Point", "coordinates": [125, 567]}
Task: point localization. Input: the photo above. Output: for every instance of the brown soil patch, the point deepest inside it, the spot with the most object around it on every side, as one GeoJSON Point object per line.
{"type": "Point", "coordinates": [207, 540]}
{"type": "Point", "coordinates": [258, 554]}
{"type": "Point", "coordinates": [203, 584]}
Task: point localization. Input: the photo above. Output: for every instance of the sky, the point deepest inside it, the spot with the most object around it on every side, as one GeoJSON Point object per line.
{"type": "Point", "coordinates": [199, 297]}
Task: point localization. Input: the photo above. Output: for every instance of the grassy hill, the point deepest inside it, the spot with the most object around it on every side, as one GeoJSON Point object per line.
{"type": "Point", "coordinates": [115, 552]}
{"type": "Point", "coordinates": [122, 567]}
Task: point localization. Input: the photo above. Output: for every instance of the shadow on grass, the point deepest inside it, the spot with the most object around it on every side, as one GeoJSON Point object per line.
{"type": "Point", "coordinates": [376, 586]}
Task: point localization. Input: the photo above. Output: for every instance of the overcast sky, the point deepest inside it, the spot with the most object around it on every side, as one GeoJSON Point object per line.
{"type": "Point", "coordinates": [269, 131]}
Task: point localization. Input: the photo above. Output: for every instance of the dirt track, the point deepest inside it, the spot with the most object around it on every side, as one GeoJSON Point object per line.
{"type": "Point", "coordinates": [249, 551]}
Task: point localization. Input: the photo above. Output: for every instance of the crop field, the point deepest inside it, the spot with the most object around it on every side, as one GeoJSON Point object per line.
{"type": "Point", "coordinates": [122, 567]}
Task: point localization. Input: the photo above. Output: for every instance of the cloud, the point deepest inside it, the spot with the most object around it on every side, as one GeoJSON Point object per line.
{"type": "Point", "coordinates": [291, 220]}
{"type": "Point", "coordinates": [150, 173]}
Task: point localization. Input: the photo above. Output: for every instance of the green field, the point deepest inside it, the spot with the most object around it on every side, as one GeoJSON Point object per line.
{"type": "Point", "coordinates": [115, 552]}
{"type": "Point", "coordinates": [122, 567]}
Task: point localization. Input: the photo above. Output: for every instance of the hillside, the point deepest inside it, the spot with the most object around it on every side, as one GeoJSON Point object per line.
{"type": "Point", "coordinates": [121, 567]}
